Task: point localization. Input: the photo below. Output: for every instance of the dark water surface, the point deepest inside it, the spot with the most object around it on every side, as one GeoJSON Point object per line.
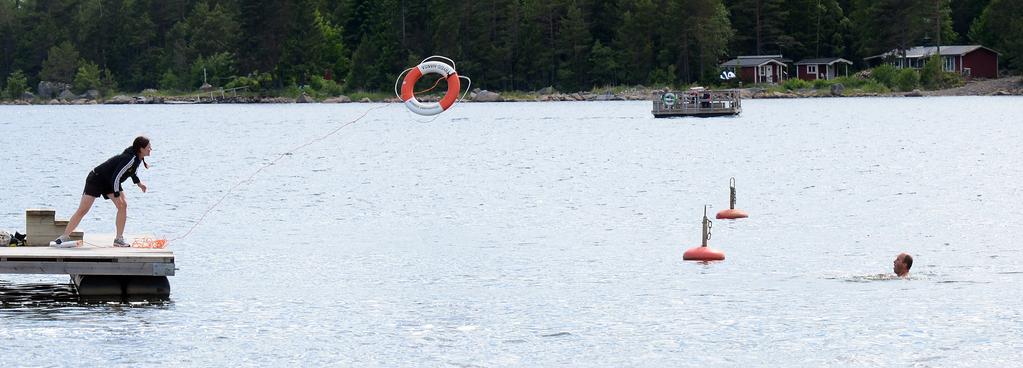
{"type": "Point", "coordinates": [538, 234]}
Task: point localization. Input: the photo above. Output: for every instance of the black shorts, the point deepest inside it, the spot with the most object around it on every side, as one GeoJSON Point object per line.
{"type": "Point", "coordinates": [95, 187]}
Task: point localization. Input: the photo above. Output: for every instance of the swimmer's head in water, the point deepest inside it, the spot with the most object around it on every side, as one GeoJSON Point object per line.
{"type": "Point", "coordinates": [902, 264]}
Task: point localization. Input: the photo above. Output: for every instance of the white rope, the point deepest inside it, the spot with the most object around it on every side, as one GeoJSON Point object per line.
{"type": "Point", "coordinates": [396, 94]}
{"type": "Point", "coordinates": [468, 85]}
{"type": "Point", "coordinates": [452, 62]}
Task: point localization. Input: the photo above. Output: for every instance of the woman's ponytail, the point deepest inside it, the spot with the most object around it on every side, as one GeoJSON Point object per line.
{"type": "Point", "coordinates": [140, 143]}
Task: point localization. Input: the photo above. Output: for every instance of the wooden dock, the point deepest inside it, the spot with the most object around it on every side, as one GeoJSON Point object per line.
{"type": "Point", "coordinates": [97, 268]}
{"type": "Point", "coordinates": [697, 102]}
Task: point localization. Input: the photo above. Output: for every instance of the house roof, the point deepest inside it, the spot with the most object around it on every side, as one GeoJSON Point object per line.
{"type": "Point", "coordinates": [755, 60]}
{"type": "Point", "coordinates": [924, 51]}
{"type": "Point", "coordinates": [829, 61]}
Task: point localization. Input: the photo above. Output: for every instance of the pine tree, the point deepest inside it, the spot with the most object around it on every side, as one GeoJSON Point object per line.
{"type": "Point", "coordinates": [61, 64]}
{"type": "Point", "coordinates": [603, 65]}
{"type": "Point", "coordinates": [713, 32]}
{"type": "Point", "coordinates": [883, 25]}
{"type": "Point", "coordinates": [635, 41]}
{"type": "Point", "coordinates": [964, 13]}
{"type": "Point", "coordinates": [605, 18]}
{"type": "Point", "coordinates": [9, 24]}
{"type": "Point", "coordinates": [540, 24]}
{"type": "Point", "coordinates": [574, 43]}
{"type": "Point", "coordinates": [759, 26]}
{"type": "Point", "coordinates": [378, 57]}
{"type": "Point", "coordinates": [209, 33]}
{"type": "Point", "coordinates": [1001, 26]}
{"type": "Point", "coordinates": [265, 25]}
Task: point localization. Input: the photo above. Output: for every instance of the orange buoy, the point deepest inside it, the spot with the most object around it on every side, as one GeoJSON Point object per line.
{"type": "Point", "coordinates": [731, 213]}
{"type": "Point", "coordinates": [703, 252]}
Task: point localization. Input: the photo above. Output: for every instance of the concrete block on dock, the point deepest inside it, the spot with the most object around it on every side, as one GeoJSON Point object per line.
{"type": "Point", "coordinates": [40, 212]}
{"type": "Point", "coordinates": [41, 226]}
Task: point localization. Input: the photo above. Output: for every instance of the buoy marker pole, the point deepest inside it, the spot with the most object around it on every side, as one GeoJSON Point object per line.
{"type": "Point", "coordinates": [731, 197]}
{"type": "Point", "coordinates": [707, 225]}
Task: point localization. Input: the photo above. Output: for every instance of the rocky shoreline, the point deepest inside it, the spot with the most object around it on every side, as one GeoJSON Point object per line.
{"type": "Point", "coordinates": [1010, 86]}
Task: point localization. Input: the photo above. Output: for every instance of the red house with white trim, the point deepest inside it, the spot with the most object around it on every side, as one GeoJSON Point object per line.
{"type": "Point", "coordinates": [971, 61]}
{"type": "Point", "coordinates": [759, 68]}
{"type": "Point", "coordinates": [825, 68]}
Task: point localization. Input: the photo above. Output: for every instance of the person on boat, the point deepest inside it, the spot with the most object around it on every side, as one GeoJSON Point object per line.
{"type": "Point", "coordinates": [903, 262]}
{"type": "Point", "coordinates": [105, 180]}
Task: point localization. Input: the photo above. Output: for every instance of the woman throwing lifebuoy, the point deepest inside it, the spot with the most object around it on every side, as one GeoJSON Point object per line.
{"type": "Point", "coordinates": [105, 180]}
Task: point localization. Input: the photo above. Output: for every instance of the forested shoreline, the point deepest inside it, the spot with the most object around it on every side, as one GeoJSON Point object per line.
{"type": "Point", "coordinates": [334, 47]}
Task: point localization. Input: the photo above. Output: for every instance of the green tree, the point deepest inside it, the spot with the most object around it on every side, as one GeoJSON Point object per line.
{"type": "Point", "coordinates": [711, 33]}
{"type": "Point", "coordinates": [884, 25]}
{"type": "Point", "coordinates": [9, 24]}
{"type": "Point", "coordinates": [964, 13]}
{"type": "Point", "coordinates": [818, 28]}
{"type": "Point", "coordinates": [219, 69]}
{"type": "Point", "coordinates": [212, 29]}
{"type": "Point", "coordinates": [88, 77]}
{"type": "Point", "coordinates": [265, 26]}
{"type": "Point", "coordinates": [107, 83]}
{"type": "Point", "coordinates": [603, 64]}
{"type": "Point", "coordinates": [42, 24]}
{"type": "Point", "coordinates": [301, 57]}
{"type": "Point", "coordinates": [16, 85]}
{"type": "Point", "coordinates": [931, 75]}
{"type": "Point", "coordinates": [539, 42]}
{"type": "Point", "coordinates": [907, 79]}
{"type": "Point", "coordinates": [605, 18]}
{"type": "Point", "coordinates": [333, 51]}
{"type": "Point", "coordinates": [61, 63]}
{"type": "Point", "coordinates": [574, 50]}
{"type": "Point", "coordinates": [208, 33]}
{"type": "Point", "coordinates": [118, 35]}
{"type": "Point", "coordinates": [170, 81]}
{"type": "Point", "coordinates": [885, 74]}
{"type": "Point", "coordinates": [379, 55]}
{"type": "Point", "coordinates": [760, 26]}
{"type": "Point", "coordinates": [485, 40]}
{"type": "Point", "coordinates": [636, 39]}
{"type": "Point", "coordinates": [314, 47]}
{"type": "Point", "coordinates": [1001, 26]}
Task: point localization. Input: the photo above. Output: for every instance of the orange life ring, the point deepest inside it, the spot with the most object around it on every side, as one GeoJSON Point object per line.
{"type": "Point", "coordinates": [433, 108]}
{"type": "Point", "coordinates": [703, 254]}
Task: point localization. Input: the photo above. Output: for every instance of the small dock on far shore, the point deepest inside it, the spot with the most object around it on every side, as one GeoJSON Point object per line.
{"type": "Point", "coordinates": [97, 268]}
{"type": "Point", "coordinates": [697, 102]}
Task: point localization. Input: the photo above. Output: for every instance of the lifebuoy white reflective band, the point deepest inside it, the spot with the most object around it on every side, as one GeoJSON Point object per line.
{"type": "Point", "coordinates": [432, 108]}
{"type": "Point", "coordinates": [668, 99]}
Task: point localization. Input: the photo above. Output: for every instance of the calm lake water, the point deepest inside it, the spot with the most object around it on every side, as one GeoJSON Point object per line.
{"type": "Point", "coordinates": [538, 234]}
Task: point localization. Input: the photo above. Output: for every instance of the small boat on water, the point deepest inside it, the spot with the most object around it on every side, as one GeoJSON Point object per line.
{"type": "Point", "coordinates": [697, 101]}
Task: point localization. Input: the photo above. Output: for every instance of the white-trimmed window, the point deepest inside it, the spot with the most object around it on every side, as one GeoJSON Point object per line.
{"type": "Point", "coordinates": [950, 63]}
{"type": "Point", "coordinates": [811, 69]}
